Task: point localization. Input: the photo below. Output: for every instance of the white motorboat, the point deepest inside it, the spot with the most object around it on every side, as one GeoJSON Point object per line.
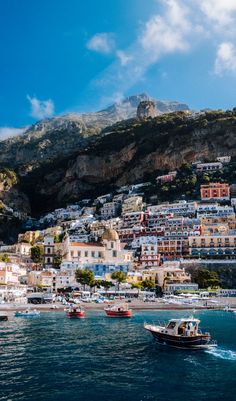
{"type": "Point", "coordinates": [181, 333]}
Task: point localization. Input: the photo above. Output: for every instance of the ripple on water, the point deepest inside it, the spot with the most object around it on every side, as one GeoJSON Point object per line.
{"type": "Point", "coordinates": [55, 359]}
{"type": "Point", "coordinates": [221, 353]}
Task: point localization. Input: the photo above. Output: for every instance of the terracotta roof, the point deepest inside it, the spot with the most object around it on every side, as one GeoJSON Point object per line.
{"type": "Point", "coordinates": [86, 244]}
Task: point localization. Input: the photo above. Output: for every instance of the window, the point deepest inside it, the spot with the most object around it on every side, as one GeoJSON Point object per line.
{"type": "Point", "coordinates": [112, 244]}
{"type": "Point", "coordinates": [72, 253]}
{"type": "Point", "coordinates": [79, 253]}
{"type": "Point", "coordinates": [99, 254]}
{"type": "Point", "coordinates": [114, 254]}
{"type": "Point", "coordinates": [86, 254]}
{"type": "Point", "coordinates": [93, 254]}
{"type": "Point", "coordinates": [48, 260]}
{"type": "Point", "coordinates": [49, 250]}
{"type": "Point", "coordinates": [171, 325]}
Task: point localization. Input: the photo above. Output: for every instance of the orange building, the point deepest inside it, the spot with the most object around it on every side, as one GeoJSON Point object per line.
{"type": "Point", "coordinates": [215, 190]}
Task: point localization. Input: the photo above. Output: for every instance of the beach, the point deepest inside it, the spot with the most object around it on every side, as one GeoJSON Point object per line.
{"type": "Point", "coordinates": [212, 304]}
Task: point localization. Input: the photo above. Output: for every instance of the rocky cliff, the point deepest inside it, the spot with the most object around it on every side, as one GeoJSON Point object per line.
{"type": "Point", "coordinates": [129, 152]}
{"type": "Point", "coordinates": [146, 108]}
{"type": "Point", "coordinates": [63, 135]}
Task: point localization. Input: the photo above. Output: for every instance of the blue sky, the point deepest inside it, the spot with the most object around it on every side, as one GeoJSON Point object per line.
{"type": "Point", "coordinates": [62, 56]}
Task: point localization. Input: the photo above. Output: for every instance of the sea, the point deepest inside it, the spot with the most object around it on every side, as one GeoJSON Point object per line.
{"type": "Point", "coordinates": [53, 358]}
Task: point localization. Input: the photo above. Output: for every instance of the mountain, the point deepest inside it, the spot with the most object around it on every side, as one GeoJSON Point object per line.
{"type": "Point", "coordinates": [61, 136]}
{"type": "Point", "coordinates": [127, 108]}
{"type": "Point", "coordinates": [127, 152]}
{"type": "Point", "coordinates": [131, 151]}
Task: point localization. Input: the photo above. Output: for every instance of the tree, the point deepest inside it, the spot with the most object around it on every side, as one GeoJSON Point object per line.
{"type": "Point", "coordinates": [95, 284]}
{"type": "Point", "coordinates": [39, 287]}
{"type": "Point", "coordinates": [106, 284]}
{"type": "Point", "coordinates": [4, 258]}
{"type": "Point", "coordinates": [58, 238]}
{"type": "Point", "coordinates": [206, 278]}
{"type": "Point", "coordinates": [37, 254]}
{"type": "Point", "coordinates": [120, 277]}
{"type": "Point", "coordinates": [148, 285]}
{"type": "Point", "coordinates": [57, 259]}
{"type": "Point", "coordinates": [138, 286]}
{"type": "Point", "coordinates": [84, 277]}
{"type": "Point", "coordinates": [205, 178]}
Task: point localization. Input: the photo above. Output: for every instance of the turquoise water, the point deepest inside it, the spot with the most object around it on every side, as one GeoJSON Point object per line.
{"type": "Point", "coordinates": [52, 358]}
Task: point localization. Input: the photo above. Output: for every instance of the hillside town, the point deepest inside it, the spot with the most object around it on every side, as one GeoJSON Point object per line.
{"type": "Point", "coordinates": [157, 247]}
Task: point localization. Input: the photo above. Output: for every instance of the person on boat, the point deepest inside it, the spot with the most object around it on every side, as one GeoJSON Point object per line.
{"type": "Point", "coordinates": [189, 331]}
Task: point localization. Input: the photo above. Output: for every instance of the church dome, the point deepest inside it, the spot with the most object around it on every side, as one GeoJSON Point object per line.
{"type": "Point", "coordinates": [110, 235]}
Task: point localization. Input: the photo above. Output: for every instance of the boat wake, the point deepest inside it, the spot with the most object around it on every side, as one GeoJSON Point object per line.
{"type": "Point", "coordinates": [222, 353]}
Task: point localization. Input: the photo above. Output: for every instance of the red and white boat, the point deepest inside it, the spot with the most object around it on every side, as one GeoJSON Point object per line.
{"type": "Point", "coordinates": [76, 313]}
{"type": "Point", "coordinates": [121, 310]}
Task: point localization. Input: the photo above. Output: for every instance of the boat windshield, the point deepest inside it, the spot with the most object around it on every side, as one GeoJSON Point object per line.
{"type": "Point", "coordinates": [171, 325]}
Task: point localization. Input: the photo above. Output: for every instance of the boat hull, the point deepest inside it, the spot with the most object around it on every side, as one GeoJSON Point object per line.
{"type": "Point", "coordinates": [110, 313]}
{"type": "Point", "coordinates": [200, 341]}
{"type": "Point", "coordinates": [75, 315]}
{"type": "Point", "coordinates": [20, 314]}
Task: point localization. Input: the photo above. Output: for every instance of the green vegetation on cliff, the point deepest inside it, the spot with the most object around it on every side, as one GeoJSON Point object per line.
{"type": "Point", "coordinates": [129, 152]}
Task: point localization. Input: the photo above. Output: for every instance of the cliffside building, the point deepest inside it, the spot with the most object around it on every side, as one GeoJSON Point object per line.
{"type": "Point", "coordinates": [215, 191]}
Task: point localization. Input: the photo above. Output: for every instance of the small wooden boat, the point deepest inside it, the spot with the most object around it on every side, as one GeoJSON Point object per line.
{"type": "Point", "coordinates": [75, 313]}
{"type": "Point", "coordinates": [3, 317]}
{"type": "Point", "coordinates": [181, 333]}
{"type": "Point", "coordinates": [27, 313]}
{"type": "Point", "coordinates": [120, 310]}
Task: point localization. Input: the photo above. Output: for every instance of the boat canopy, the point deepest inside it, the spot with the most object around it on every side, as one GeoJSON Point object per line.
{"type": "Point", "coordinates": [185, 320]}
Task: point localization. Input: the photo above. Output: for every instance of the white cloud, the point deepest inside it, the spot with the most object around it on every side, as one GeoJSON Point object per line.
{"type": "Point", "coordinates": [124, 58]}
{"type": "Point", "coordinates": [225, 58]}
{"type": "Point", "coordinates": [166, 33]}
{"type": "Point", "coordinates": [101, 43]}
{"type": "Point", "coordinates": [162, 34]}
{"type": "Point", "coordinates": [8, 132]}
{"type": "Point", "coordinates": [41, 108]}
{"type": "Point", "coordinates": [180, 26]}
{"type": "Point", "coordinates": [221, 12]}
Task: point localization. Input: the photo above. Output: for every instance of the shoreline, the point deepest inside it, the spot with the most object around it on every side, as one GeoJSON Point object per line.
{"type": "Point", "coordinates": [136, 306]}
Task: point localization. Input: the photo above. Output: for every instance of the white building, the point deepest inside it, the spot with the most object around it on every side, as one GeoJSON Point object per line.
{"type": "Point", "coordinates": [109, 250]}
{"type": "Point", "coordinates": [41, 279]}
{"type": "Point", "coordinates": [24, 249]}
{"type": "Point", "coordinates": [214, 209]}
{"type": "Point", "coordinates": [149, 255]}
{"type": "Point", "coordinates": [224, 159]}
{"type": "Point", "coordinates": [110, 210]}
{"type": "Point", "coordinates": [64, 279]}
{"type": "Point", "coordinates": [214, 166]}
{"type": "Point", "coordinates": [48, 250]}
{"type": "Point", "coordinates": [142, 240]}
{"type": "Point", "coordinates": [180, 208]}
{"type": "Point", "coordinates": [132, 204]}
{"type": "Point", "coordinates": [10, 274]}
